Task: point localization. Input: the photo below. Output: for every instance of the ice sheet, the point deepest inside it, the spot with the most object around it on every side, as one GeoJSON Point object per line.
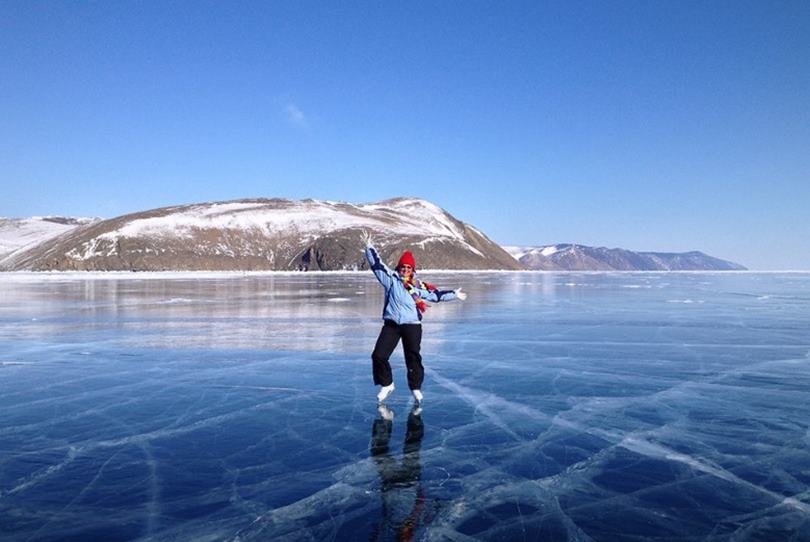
{"type": "Point", "coordinates": [570, 406]}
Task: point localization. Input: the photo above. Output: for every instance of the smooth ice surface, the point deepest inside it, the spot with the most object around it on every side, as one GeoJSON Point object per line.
{"type": "Point", "coordinates": [571, 406]}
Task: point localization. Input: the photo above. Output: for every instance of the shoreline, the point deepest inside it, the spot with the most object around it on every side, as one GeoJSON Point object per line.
{"type": "Point", "coordinates": [155, 275]}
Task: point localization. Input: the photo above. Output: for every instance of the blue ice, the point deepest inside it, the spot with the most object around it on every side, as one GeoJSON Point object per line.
{"type": "Point", "coordinates": [558, 406]}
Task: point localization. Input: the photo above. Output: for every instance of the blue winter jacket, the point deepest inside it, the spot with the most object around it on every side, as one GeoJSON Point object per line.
{"type": "Point", "coordinates": [399, 306]}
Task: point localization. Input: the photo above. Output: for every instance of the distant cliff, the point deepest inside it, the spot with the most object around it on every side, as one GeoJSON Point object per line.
{"type": "Point", "coordinates": [570, 257]}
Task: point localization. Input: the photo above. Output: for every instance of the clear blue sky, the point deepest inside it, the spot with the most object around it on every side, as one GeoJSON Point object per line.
{"type": "Point", "coordinates": [645, 125]}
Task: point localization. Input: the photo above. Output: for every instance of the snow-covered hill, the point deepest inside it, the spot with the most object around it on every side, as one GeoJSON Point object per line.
{"type": "Point", "coordinates": [268, 234]}
{"type": "Point", "coordinates": [19, 234]}
{"type": "Point", "coordinates": [571, 257]}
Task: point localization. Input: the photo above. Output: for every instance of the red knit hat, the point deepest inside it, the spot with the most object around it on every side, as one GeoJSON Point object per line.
{"type": "Point", "coordinates": [407, 259]}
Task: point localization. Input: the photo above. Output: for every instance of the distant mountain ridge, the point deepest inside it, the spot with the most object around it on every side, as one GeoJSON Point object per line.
{"type": "Point", "coordinates": [265, 234]}
{"type": "Point", "coordinates": [279, 234]}
{"type": "Point", "coordinates": [573, 257]}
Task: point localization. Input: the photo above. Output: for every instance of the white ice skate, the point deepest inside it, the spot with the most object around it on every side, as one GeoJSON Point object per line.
{"type": "Point", "coordinates": [418, 397]}
{"type": "Point", "coordinates": [385, 391]}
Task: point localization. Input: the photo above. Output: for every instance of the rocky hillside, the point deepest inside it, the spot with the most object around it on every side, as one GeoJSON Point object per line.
{"type": "Point", "coordinates": [266, 234]}
{"type": "Point", "coordinates": [569, 257]}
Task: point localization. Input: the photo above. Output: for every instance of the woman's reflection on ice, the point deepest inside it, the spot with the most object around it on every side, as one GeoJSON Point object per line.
{"type": "Point", "coordinates": [403, 504]}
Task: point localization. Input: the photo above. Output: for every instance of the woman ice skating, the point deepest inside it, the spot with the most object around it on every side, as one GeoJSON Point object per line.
{"type": "Point", "coordinates": [405, 301]}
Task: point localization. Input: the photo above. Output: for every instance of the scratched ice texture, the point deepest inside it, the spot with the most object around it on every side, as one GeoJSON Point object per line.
{"type": "Point", "coordinates": [606, 407]}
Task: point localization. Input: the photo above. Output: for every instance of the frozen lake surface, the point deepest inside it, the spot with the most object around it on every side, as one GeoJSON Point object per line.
{"type": "Point", "coordinates": [606, 407]}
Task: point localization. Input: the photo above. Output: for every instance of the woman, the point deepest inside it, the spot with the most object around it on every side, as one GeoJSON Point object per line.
{"type": "Point", "coordinates": [405, 297]}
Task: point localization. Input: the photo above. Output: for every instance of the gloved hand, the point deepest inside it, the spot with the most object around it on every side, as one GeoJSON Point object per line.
{"type": "Point", "coordinates": [366, 238]}
{"type": "Point", "coordinates": [461, 295]}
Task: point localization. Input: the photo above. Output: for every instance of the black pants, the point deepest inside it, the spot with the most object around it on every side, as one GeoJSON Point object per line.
{"type": "Point", "coordinates": [391, 333]}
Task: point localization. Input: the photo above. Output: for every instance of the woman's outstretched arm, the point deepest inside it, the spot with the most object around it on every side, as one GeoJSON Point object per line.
{"type": "Point", "coordinates": [437, 295]}
{"type": "Point", "coordinates": [381, 271]}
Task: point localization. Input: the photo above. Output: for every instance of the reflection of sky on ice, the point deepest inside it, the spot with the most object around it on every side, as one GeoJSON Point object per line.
{"type": "Point", "coordinates": [571, 406]}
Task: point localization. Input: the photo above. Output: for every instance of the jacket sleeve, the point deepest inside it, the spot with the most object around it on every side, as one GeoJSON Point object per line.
{"type": "Point", "coordinates": [437, 295]}
{"type": "Point", "coordinates": [381, 271]}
